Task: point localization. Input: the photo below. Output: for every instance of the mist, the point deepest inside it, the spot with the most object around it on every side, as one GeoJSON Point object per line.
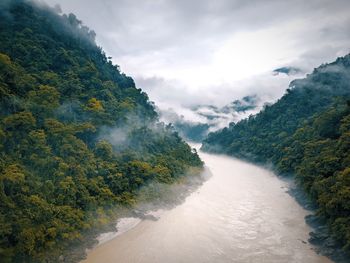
{"type": "Point", "coordinates": [185, 54]}
{"type": "Point", "coordinates": [99, 129]}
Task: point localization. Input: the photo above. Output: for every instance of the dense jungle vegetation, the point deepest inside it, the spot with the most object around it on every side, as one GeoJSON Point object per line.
{"type": "Point", "coordinates": [306, 133]}
{"type": "Point", "coordinates": [63, 107]}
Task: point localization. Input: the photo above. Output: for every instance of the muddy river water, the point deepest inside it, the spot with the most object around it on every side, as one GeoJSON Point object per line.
{"type": "Point", "coordinates": [242, 213]}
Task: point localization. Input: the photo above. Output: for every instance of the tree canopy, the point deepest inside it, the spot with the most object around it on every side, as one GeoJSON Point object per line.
{"type": "Point", "coordinates": [60, 172]}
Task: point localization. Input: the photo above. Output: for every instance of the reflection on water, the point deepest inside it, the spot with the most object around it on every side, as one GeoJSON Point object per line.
{"type": "Point", "coordinates": [241, 214]}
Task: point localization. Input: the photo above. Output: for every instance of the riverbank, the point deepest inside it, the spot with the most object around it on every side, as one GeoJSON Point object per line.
{"type": "Point", "coordinates": [319, 236]}
{"type": "Point", "coordinates": [243, 213]}
{"type": "Point", "coordinates": [153, 197]}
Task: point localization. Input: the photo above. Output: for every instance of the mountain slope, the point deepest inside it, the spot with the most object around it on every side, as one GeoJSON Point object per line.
{"type": "Point", "coordinates": [63, 105]}
{"type": "Point", "coordinates": [305, 133]}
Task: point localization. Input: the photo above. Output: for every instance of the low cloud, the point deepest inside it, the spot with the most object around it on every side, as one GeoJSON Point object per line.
{"type": "Point", "coordinates": [187, 53]}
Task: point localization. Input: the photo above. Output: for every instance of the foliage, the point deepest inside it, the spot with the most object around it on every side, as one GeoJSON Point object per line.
{"type": "Point", "coordinates": [305, 133]}
{"type": "Point", "coordinates": [58, 176]}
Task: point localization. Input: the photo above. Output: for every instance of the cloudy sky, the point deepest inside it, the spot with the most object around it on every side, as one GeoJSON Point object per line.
{"type": "Point", "coordinates": [188, 52]}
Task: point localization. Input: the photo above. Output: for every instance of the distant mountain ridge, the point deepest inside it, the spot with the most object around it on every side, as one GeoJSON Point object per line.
{"type": "Point", "coordinates": [213, 117]}
{"type": "Point", "coordinates": [287, 70]}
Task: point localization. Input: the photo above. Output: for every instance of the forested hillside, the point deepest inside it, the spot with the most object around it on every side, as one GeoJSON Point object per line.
{"type": "Point", "coordinates": [62, 100]}
{"type": "Point", "coordinates": [306, 133]}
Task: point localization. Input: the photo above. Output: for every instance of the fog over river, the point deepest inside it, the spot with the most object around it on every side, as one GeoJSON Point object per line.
{"type": "Point", "coordinates": [242, 213]}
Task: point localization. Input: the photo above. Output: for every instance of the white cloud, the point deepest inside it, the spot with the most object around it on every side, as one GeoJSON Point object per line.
{"type": "Point", "coordinates": [184, 52]}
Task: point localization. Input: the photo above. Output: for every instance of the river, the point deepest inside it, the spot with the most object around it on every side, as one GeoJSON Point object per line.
{"type": "Point", "coordinates": [242, 213]}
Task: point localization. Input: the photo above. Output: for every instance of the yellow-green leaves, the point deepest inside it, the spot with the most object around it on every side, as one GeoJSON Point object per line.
{"type": "Point", "coordinates": [43, 100]}
{"type": "Point", "coordinates": [94, 105]}
{"type": "Point", "coordinates": [13, 173]}
{"type": "Point", "coordinates": [20, 122]}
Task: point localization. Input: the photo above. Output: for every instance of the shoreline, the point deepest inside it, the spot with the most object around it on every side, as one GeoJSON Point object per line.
{"type": "Point", "coordinates": [121, 246]}
{"type": "Point", "coordinates": [319, 237]}
{"type": "Point", "coordinates": [137, 217]}
{"type": "Point", "coordinates": [122, 225]}
{"type": "Point", "coordinates": [147, 209]}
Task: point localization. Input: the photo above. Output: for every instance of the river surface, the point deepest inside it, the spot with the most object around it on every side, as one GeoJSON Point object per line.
{"type": "Point", "coordinates": [242, 213]}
